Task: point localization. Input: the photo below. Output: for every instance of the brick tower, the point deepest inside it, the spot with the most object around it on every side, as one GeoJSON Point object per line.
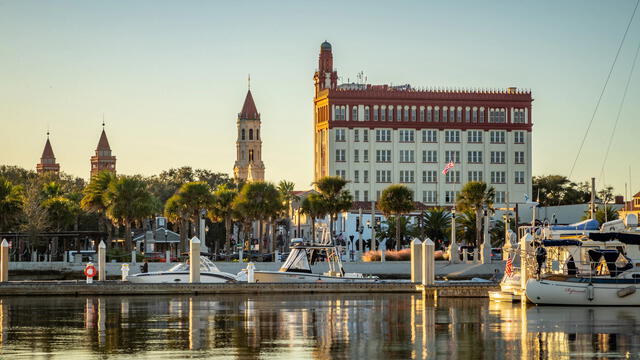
{"type": "Point", "coordinates": [249, 165]}
{"type": "Point", "coordinates": [48, 160]}
{"type": "Point", "coordinates": [103, 159]}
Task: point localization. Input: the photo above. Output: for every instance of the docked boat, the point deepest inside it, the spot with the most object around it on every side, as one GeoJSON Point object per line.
{"type": "Point", "coordinates": [209, 273]}
{"type": "Point", "coordinates": [297, 267]}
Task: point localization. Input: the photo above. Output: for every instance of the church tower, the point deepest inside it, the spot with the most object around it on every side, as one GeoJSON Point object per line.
{"type": "Point", "coordinates": [325, 77]}
{"type": "Point", "coordinates": [249, 165]}
{"type": "Point", "coordinates": [103, 160]}
{"type": "Point", "coordinates": [48, 160]}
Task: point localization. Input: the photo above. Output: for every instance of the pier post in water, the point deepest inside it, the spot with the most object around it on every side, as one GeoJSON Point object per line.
{"type": "Point", "coordinates": [102, 261]}
{"type": "Point", "coordinates": [416, 261]}
{"type": "Point", "coordinates": [194, 260]}
{"type": "Point", "coordinates": [4, 261]}
{"type": "Point", "coordinates": [428, 262]}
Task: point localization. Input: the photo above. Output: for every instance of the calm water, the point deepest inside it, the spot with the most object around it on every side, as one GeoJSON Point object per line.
{"type": "Point", "coordinates": [398, 326]}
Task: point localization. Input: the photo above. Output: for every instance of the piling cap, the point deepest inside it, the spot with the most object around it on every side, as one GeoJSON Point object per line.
{"type": "Point", "coordinates": [102, 245]}
{"type": "Point", "coordinates": [4, 243]}
{"type": "Point", "coordinates": [416, 241]}
{"type": "Point", "coordinates": [195, 240]}
{"type": "Point", "coordinates": [428, 242]}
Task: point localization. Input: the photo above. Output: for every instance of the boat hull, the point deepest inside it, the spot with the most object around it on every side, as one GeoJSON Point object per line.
{"type": "Point", "coordinates": [553, 292]}
{"type": "Point", "coordinates": [293, 277]}
{"type": "Point", "coordinates": [179, 277]}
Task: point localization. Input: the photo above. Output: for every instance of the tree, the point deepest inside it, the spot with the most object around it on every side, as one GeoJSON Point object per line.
{"type": "Point", "coordinates": [94, 199]}
{"type": "Point", "coordinates": [390, 233]}
{"type": "Point", "coordinates": [11, 198]}
{"type": "Point", "coordinates": [62, 212]}
{"type": "Point", "coordinates": [334, 196]}
{"type": "Point", "coordinates": [177, 212]}
{"type": "Point", "coordinates": [221, 210]}
{"type": "Point", "coordinates": [554, 190]}
{"type": "Point", "coordinates": [475, 195]}
{"type": "Point", "coordinates": [396, 200]}
{"type": "Point", "coordinates": [129, 201]}
{"type": "Point", "coordinates": [167, 183]}
{"type": "Point", "coordinates": [35, 216]}
{"type": "Point", "coordinates": [436, 224]}
{"type": "Point", "coordinates": [286, 192]}
{"type": "Point", "coordinates": [258, 201]}
{"type": "Point", "coordinates": [189, 201]}
{"type": "Point", "coordinates": [313, 206]}
{"type": "Point", "coordinates": [603, 214]}
{"type": "Point", "coordinates": [466, 226]}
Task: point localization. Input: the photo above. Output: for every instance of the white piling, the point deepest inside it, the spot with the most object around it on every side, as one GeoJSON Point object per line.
{"type": "Point", "coordinates": [525, 243]}
{"type": "Point", "coordinates": [194, 260]}
{"type": "Point", "coordinates": [102, 261]}
{"type": "Point", "coordinates": [240, 256]}
{"type": "Point", "coordinates": [486, 243]}
{"type": "Point", "coordinates": [454, 258]}
{"type": "Point", "coordinates": [416, 261]}
{"type": "Point", "coordinates": [167, 256]}
{"type": "Point", "coordinates": [133, 256]}
{"type": "Point", "coordinates": [124, 270]}
{"type": "Point", "coordinates": [251, 272]}
{"type": "Point", "coordinates": [4, 261]}
{"type": "Point", "coordinates": [428, 262]}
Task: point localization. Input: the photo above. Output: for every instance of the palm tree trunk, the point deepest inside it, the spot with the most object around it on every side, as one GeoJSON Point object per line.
{"type": "Point", "coordinates": [227, 232]}
{"type": "Point", "coordinates": [128, 239]}
{"type": "Point", "coordinates": [260, 247]}
{"type": "Point", "coordinates": [398, 224]}
{"type": "Point", "coordinates": [478, 227]}
{"type": "Point", "coordinates": [313, 230]}
{"type": "Point", "coordinates": [331, 229]}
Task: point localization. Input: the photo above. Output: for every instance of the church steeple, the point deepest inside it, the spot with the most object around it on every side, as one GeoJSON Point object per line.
{"type": "Point", "coordinates": [103, 159]}
{"type": "Point", "coordinates": [248, 165]}
{"type": "Point", "coordinates": [48, 159]}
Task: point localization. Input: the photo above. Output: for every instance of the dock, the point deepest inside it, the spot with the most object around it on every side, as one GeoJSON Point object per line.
{"type": "Point", "coordinates": [81, 288]}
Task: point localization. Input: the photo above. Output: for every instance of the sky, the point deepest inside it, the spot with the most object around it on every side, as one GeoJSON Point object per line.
{"type": "Point", "coordinates": [169, 77]}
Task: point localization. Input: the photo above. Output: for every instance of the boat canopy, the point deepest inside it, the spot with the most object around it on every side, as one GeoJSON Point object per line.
{"type": "Point", "coordinates": [551, 243]}
{"type": "Point", "coordinates": [297, 261]}
{"type": "Point", "coordinates": [590, 224]}
{"type": "Point", "coordinates": [205, 266]}
{"type": "Point", "coordinates": [626, 238]}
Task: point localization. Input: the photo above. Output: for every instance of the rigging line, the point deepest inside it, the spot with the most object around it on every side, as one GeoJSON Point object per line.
{"type": "Point", "coordinates": [595, 110]}
{"type": "Point", "coordinates": [624, 96]}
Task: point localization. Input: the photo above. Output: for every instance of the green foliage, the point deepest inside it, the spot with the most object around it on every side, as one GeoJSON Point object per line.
{"type": "Point", "coordinates": [474, 196]}
{"type": "Point", "coordinates": [222, 210]}
{"type": "Point", "coordinates": [554, 190]}
{"type": "Point", "coordinates": [435, 224]}
{"type": "Point", "coordinates": [334, 196]}
{"type": "Point", "coordinates": [390, 231]}
{"type": "Point", "coordinates": [603, 214]}
{"type": "Point", "coordinates": [314, 207]}
{"type": "Point", "coordinates": [62, 212]}
{"type": "Point", "coordinates": [396, 199]}
{"type": "Point", "coordinates": [11, 199]}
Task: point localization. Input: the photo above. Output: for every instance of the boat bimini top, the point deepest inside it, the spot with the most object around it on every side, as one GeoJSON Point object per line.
{"type": "Point", "coordinates": [205, 266]}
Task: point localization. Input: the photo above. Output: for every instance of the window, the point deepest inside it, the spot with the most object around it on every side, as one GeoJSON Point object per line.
{"type": "Point", "coordinates": [452, 155]}
{"type": "Point", "coordinates": [467, 114]}
{"type": "Point", "coordinates": [340, 113]}
{"type": "Point", "coordinates": [340, 134]}
{"type": "Point", "coordinates": [497, 116]}
{"type": "Point", "coordinates": [436, 115]}
{"type": "Point", "coordinates": [354, 113]}
{"type": "Point", "coordinates": [452, 136]}
{"type": "Point", "coordinates": [407, 156]}
{"type": "Point", "coordinates": [365, 135]}
{"type": "Point", "coordinates": [429, 176]}
{"type": "Point", "coordinates": [413, 114]}
{"type": "Point", "coordinates": [453, 114]}
{"type": "Point", "coordinates": [366, 195]}
{"type": "Point", "coordinates": [474, 157]}
{"type": "Point", "coordinates": [421, 114]}
{"type": "Point", "coordinates": [383, 176]}
{"type": "Point", "coordinates": [341, 173]}
{"type": "Point", "coordinates": [356, 155]}
{"type": "Point", "coordinates": [250, 134]}
{"type": "Point", "coordinates": [242, 134]}
{"type": "Point", "coordinates": [356, 195]}
{"type": "Point", "coordinates": [498, 177]}
{"type": "Point", "coordinates": [429, 118]}
{"type": "Point", "coordinates": [445, 114]}
{"type": "Point", "coordinates": [407, 135]}
{"type": "Point", "coordinates": [518, 137]}
{"type": "Point", "coordinates": [459, 117]}
{"type": "Point", "coordinates": [429, 136]}
{"type": "Point", "coordinates": [365, 176]}
{"type": "Point", "coordinates": [251, 155]}
{"type": "Point", "coordinates": [497, 137]}
{"type": "Point", "coordinates": [474, 136]}
{"type": "Point", "coordinates": [406, 114]}
{"type": "Point", "coordinates": [519, 157]}
{"type": "Point", "coordinates": [519, 177]}
{"type": "Point", "coordinates": [383, 114]}
{"type": "Point", "coordinates": [356, 176]}
{"type": "Point", "coordinates": [406, 176]}
{"type": "Point", "coordinates": [366, 113]}
{"type": "Point", "coordinates": [450, 196]}
{"type": "Point", "coordinates": [500, 197]}
{"type": "Point", "coordinates": [390, 113]}
{"type": "Point", "coordinates": [340, 155]}
{"type": "Point", "coordinates": [429, 196]}
{"type": "Point", "coordinates": [475, 176]}
{"type": "Point", "coordinates": [429, 156]}
{"type": "Point", "coordinates": [481, 115]}
{"type": "Point", "coordinates": [257, 134]}
{"type": "Point", "coordinates": [452, 177]}
{"type": "Point", "coordinates": [383, 156]}
{"type": "Point", "coordinates": [383, 135]}
{"type": "Point", "coordinates": [399, 114]}
{"type": "Point", "coordinates": [375, 114]}
{"type": "Point", "coordinates": [356, 135]}
{"type": "Point", "coordinates": [474, 117]}
{"type": "Point", "coordinates": [497, 157]}
{"type": "Point", "coordinates": [365, 155]}
{"type": "Point", "coordinates": [519, 116]}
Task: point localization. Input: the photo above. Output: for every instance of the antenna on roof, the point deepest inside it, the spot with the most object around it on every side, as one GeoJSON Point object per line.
{"type": "Point", "coordinates": [249, 81]}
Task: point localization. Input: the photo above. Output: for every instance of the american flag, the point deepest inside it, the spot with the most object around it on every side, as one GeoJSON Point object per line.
{"type": "Point", "coordinates": [509, 268]}
{"type": "Point", "coordinates": [447, 167]}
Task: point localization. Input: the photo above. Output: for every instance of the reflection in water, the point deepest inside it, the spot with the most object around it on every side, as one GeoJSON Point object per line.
{"type": "Point", "coordinates": [371, 326]}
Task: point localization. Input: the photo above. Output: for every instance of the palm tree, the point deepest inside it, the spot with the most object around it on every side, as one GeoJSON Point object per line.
{"type": "Point", "coordinates": [436, 224]}
{"type": "Point", "coordinates": [396, 200]}
{"type": "Point", "coordinates": [221, 210]}
{"type": "Point", "coordinates": [129, 201]}
{"type": "Point", "coordinates": [334, 196]}
{"type": "Point", "coordinates": [176, 212]}
{"type": "Point", "coordinates": [476, 195]}
{"type": "Point", "coordinates": [94, 199]}
{"type": "Point", "coordinates": [11, 199]}
{"type": "Point", "coordinates": [186, 204]}
{"type": "Point", "coordinates": [313, 206]}
{"type": "Point", "coordinates": [466, 226]}
{"type": "Point", "coordinates": [258, 201]}
{"type": "Point", "coordinates": [51, 189]}
{"type": "Point", "coordinates": [286, 191]}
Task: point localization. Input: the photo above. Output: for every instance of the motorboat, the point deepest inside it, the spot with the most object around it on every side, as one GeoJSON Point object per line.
{"type": "Point", "coordinates": [297, 267]}
{"type": "Point", "coordinates": [601, 271]}
{"type": "Point", "coordinates": [209, 273]}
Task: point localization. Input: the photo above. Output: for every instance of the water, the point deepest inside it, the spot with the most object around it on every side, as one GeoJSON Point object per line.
{"type": "Point", "coordinates": [370, 326]}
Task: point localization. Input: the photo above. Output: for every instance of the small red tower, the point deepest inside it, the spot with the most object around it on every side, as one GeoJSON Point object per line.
{"type": "Point", "coordinates": [325, 77]}
{"type": "Point", "coordinates": [103, 159]}
{"type": "Point", "coordinates": [47, 160]}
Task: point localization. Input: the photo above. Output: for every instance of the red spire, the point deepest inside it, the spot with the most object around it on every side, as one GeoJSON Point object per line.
{"type": "Point", "coordinates": [103, 144]}
{"type": "Point", "coordinates": [47, 153]}
{"type": "Point", "coordinates": [249, 110]}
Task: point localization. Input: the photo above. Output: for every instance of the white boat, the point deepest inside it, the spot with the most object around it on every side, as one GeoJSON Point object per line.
{"type": "Point", "coordinates": [297, 267]}
{"type": "Point", "coordinates": [209, 273]}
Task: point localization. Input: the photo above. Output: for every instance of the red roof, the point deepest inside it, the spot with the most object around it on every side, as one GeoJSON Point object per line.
{"type": "Point", "coordinates": [636, 195]}
{"type": "Point", "coordinates": [103, 144]}
{"type": "Point", "coordinates": [47, 153]}
{"type": "Point", "coordinates": [249, 110]}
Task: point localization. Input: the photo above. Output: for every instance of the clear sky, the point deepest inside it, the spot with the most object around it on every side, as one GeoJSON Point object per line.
{"type": "Point", "coordinates": [171, 76]}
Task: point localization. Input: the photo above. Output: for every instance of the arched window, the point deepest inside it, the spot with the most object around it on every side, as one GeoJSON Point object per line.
{"type": "Point", "coordinates": [250, 134]}
{"type": "Point", "coordinates": [257, 134]}
{"type": "Point", "coordinates": [242, 134]}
